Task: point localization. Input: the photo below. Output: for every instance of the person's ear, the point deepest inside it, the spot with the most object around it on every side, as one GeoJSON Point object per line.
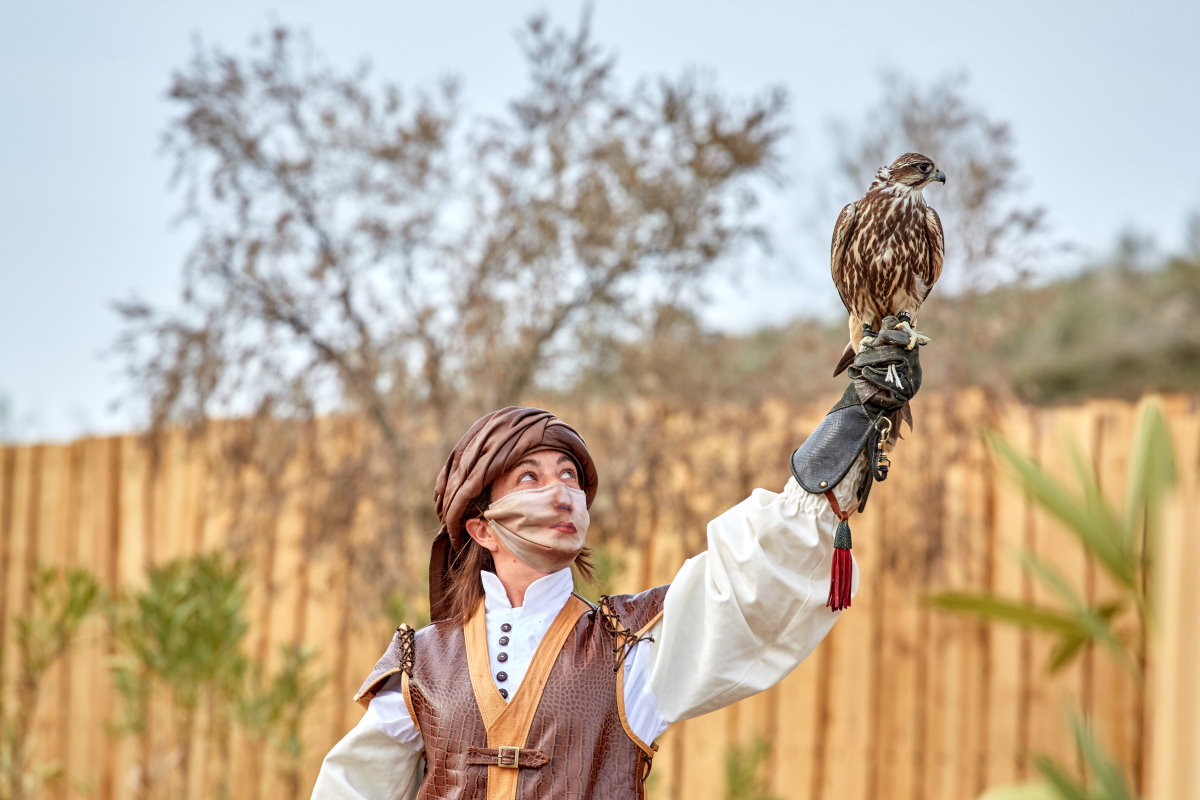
{"type": "Point", "coordinates": [478, 529]}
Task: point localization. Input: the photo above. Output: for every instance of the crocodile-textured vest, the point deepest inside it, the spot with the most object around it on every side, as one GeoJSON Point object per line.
{"type": "Point", "coordinates": [564, 735]}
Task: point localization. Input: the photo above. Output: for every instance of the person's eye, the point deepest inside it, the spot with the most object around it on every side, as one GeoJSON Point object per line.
{"type": "Point", "coordinates": [526, 476]}
{"type": "Point", "coordinates": [568, 475]}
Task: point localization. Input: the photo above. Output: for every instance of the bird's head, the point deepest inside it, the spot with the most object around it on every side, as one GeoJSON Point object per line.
{"type": "Point", "coordinates": [912, 171]}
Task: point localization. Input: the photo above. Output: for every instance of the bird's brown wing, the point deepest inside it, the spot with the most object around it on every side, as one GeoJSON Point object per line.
{"type": "Point", "coordinates": [843, 232]}
{"type": "Point", "coordinates": [937, 250]}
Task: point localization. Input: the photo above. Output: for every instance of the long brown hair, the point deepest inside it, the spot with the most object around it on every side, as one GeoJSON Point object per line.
{"type": "Point", "coordinates": [466, 588]}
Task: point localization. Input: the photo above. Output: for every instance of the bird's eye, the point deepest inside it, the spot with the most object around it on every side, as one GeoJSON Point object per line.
{"type": "Point", "coordinates": [925, 167]}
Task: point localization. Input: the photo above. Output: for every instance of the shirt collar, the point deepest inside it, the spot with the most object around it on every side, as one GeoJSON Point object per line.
{"type": "Point", "coordinates": [544, 594]}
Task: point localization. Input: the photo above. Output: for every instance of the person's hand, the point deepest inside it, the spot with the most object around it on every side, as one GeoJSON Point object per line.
{"type": "Point", "coordinates": [887, 372]}
{"type": "Point", "coordinates": [884, 376]}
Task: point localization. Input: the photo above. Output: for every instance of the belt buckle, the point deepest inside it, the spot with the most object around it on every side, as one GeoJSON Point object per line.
{"type": "Point", "coordinates": [508, 757]}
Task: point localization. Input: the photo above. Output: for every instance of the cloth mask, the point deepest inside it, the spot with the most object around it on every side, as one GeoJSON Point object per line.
{"type": "Point", "coordinates": [522, 520]}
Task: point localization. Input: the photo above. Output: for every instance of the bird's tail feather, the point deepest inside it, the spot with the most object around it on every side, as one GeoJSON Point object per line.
{"type": "Point", "coordinates": [847, 357]}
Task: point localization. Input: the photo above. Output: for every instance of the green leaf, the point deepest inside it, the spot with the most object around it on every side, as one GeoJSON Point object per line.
{"type": "Point", "coordinates": [1052, 578]}
{"type": "Point", "coordinates": [1066, 649]}
{"type": "Point", "coordinates": [1025, 615]}
{"type": "Point", "coordinates": [1064, 785]}
{"type": "Point", "coordinates": [1151, 469]}
{"type": "Point", "coordinates": [1105, 772]}
{"type": "Point", "coordinates": [1093, 523]}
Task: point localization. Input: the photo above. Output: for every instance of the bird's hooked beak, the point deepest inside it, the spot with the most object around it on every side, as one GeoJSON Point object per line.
{"type": "Point", "coordinates": [941, 177]}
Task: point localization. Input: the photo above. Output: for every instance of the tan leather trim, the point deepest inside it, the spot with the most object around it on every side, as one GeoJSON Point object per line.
{"type": "Point", "coordinates": [648, 749]}
{"type": "Point", "coordinates": [487, 696]}
{"type": "Point", "coordinates": [406, 693]}
{"type": "Point", "coordinates": [657, 618]}
{"type": "Point", "coordinates": [510, 727]}
{"type": "Point", "coordinates": [365, 697]}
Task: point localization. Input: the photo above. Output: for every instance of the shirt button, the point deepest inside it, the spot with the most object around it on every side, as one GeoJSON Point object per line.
{"type": "Point", "coordinates": [504, 693]}
{"type": "Point", "coordinates": [502, 657]}
{"type": "Point", "coordinates": [502, 676]}
{"type": "Point", "coordinates": [506, 627]}
{"type": "Point", "coordinates": [503, 640]}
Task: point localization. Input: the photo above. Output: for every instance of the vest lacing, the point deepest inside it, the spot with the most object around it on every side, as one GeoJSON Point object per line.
{"type": "Point", "coordinates": [408, 650]}
{"type": "Point", "coordinates": [624, 639]}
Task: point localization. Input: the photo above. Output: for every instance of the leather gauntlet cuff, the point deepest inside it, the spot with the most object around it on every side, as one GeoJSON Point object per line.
{"type": "Point", "coordinates": [883, 378]}
{"type": "Point", "coordinates": [828, 453]}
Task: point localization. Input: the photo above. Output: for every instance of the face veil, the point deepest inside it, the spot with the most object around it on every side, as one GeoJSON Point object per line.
{"type": "Point", "coordinates": [492, 445]}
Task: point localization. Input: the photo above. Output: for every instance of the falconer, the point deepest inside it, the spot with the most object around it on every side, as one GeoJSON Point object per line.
{"type": "Point", "coordinates": [520, 688]}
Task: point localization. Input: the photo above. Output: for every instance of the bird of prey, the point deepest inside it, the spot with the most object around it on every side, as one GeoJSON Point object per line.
{"type": "Point", "coordinates": [887, 251]}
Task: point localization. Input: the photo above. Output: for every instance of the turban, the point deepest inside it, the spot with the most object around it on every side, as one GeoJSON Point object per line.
{"type": "Point", "coordinates": [490, 447]}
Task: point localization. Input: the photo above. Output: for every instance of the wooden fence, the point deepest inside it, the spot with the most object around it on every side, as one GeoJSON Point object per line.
{"type": "Point", "coordinates": [900, 702]}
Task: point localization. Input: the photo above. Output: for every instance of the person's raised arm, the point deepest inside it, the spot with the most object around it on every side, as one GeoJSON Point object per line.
{"type": "Point", "coordinates": [740, 616]}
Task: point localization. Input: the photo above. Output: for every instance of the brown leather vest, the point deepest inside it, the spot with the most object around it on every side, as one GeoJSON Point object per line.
{"type": "Point", "coordinates": [572, 742]}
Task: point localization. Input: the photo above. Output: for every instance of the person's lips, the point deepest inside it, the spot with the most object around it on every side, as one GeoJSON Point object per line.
{"type": "Point", "coordinates": [565, 527]}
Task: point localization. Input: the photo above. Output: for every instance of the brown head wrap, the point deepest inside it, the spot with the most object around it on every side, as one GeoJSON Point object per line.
{"type": "Point", "coordinates": [490, 447]}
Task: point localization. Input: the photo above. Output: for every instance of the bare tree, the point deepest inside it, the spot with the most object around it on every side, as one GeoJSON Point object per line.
{"type": "Point", "coordinates": [365, 250]}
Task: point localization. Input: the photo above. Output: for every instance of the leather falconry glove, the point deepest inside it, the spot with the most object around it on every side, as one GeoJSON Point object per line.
{"type": "Point", "coordinates": [883, 378]}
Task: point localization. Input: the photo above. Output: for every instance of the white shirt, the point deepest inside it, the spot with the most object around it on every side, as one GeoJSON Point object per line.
{"type": "Point", "coordinates": [736, 620]}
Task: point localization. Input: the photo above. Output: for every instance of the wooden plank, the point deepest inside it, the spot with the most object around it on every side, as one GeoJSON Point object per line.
{"type": "Point", "coordinates": [709, 742]}
{"type": "Point", "coordinates": [1050, 693]}
{"type": "Point", "coordinates": [1010, 673]}
{"type": "Point", "coordinates": [850, 665]}
{"type": "Point", "coordinates": [940, 658]}
{"type": "Point", "coordinates": [754, 722]}
{"type": "Point", "coordinates": [1113, 699]}
{"type": "Point", "coordinates": [170, 531]}
{"type": "Point", "coordinates": [175, 736]}
{"type": "Point", "coordinates": [132, 752]}
{"type": "Point", "coordinates": [897, 524]}
{"type": "Point", "coordinates": [968, 569]}
{"type": "Point", "coordinates": [10, 558]}
{"type": "Point", "coordinates": [109, 546]}
{"type": "Point", "coordinates": [288, 579]}
{"type": "Point", "coordinates": [7, 548]}
{"type": "Point", "coordinates": [661, 784]}
{"type": "Point", "coordinates": [325, 610]}
{"type": "Point", "coordinates": [799, 737]}
{"type": "Point", "coordinates": [24, 516]}
{"type": "Point", "coordinates": [50, 546]}
{"type": "Point", "coordinates": [90, 688]}
{"type": "Point", "coordinates": [1174, 769]}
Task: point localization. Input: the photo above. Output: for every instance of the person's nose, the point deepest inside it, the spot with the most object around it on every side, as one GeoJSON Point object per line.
{"type": "Point", "coordinates": [562, 499]}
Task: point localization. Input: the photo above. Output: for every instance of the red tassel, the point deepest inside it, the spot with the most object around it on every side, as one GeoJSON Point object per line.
{"type": "Point", "coordinates": [841, 576]}
{"type": "Point", "coordinates": [840, 580]}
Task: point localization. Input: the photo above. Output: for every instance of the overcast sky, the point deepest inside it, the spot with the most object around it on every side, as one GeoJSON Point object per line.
{"type": "Point", "coordinates": [1102, 97]}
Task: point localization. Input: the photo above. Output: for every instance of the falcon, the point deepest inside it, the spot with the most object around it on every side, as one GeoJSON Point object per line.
{"type": "Point", "coordinates": [887, 251]}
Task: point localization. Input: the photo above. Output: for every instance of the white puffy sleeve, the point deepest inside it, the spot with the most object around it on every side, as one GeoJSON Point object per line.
{"type": "Point", "coordinates": [743, 614]}
{"type": "Point", "coordinates": [379, 759]}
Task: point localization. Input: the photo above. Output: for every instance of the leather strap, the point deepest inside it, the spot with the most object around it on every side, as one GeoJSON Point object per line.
{"type": "Point", "coordinates": [507, 757]}
{"type": "Point", "coordinates": [648, 750]}
{"type": "Point", "coordinates": [837, 509]}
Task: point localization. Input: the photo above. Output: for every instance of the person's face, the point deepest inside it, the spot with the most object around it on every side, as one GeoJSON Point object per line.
{"type": "Point", "coordinates": [537, 469]}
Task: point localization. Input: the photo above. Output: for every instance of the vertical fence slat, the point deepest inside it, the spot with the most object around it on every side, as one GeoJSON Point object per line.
{"type": "Point", "coordinates": [91, 540]}
{"type": "Point", "coordinates": [798, 734]}
{"type": "Point", "coordinates": [1009, 671]}
{"type": "Point", "coordinates": [1114, 700]}
{"type": "Point", "coordinates": [1053, 694]}
{"type": "Point", "coordinates": [50, 547]}
{"type": "Point", "coordinates": [1175, 770]}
